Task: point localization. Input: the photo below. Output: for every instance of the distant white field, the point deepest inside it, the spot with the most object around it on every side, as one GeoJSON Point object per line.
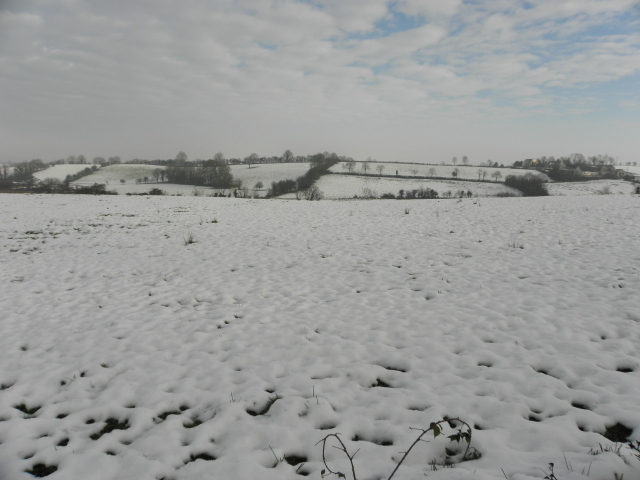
{"type": "Point", "coordinates": [346, 186]}
{"type": "Point", "coordinates": [590, 188]}
{"type": "Point", "coordinates": [632, 169]}
{"type": "Point", "coordinates": [444, 171]}
{"type": "Point", "coordinates": [114, 173]}
{"type": "Point", "coordinates": [59, 172]}
{"type": "Point", "coordinates": [267, 173]}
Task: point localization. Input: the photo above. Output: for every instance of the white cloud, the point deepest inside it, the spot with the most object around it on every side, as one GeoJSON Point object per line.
{"type": "Point", "coordinates": [225, 75]}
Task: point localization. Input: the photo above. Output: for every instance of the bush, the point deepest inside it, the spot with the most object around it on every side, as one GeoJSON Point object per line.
{"type": "Point", "coordinates": [156, 191]}
{"type": "Point", "coordinates": [282, 187]}
{"type": "Point", "coordinates": [530, 185]}
{"type": "Point", "coordinates": [95, 189]}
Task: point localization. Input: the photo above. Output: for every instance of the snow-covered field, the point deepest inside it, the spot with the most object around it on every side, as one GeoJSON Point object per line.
{"type": "Point", "coordinates": [267, 173]}
{"type": "Point", "coordinates": [60, 172]}
{"type": "Point", "coordinates": [138, 356]}
{"type": "Point", "coordinates": [592, 187]}
{"type": "Point", "coordinates": [346, 186]}
{"type": "Point", "coordinates": [112, 174]}
{"type": "Point", "coordinates": [632, 169]}
{"type": "Point", "coordinates": [445, 171]}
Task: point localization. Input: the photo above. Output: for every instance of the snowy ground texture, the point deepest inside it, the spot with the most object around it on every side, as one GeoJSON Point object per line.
{"type": "Point", "coordinates": [591, 187]}
{"type": "Point", "coordinates": [445, 171]}
{"type": "Point", "coordinates": [346, 186]}
{"type": "Point", "coordinates": [127, 354]}
{"type": "Point", "coordinates": [60, 172]}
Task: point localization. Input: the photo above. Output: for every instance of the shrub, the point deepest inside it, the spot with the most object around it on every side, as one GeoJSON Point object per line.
{"type": "Point", "coordinates": [156, 191]}
{"type": "Point", "coordinates": [530, 185]}
{"type": "Point", "coordinates": [95, 189]}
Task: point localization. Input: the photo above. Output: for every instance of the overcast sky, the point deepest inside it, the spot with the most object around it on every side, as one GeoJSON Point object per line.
{"type": "Point", "coordinates": [414, 80]}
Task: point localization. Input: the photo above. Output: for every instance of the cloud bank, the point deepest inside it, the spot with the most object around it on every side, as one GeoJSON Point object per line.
{"type": "Point", "coordinates": [416, 80]}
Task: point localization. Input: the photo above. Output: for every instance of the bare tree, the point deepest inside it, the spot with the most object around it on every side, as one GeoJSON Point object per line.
{"type": "Point", "coordinates": [479, 173]}
{"type": "Point", "coordinates": [484, 173]}
{"type": "Point", "coordinates": [219, 157]}
{"type": "Point", "coordinates": [251, 159]}
{"type": "Point", "coordinates": [414, 171]}
{"type": "Point", "coordinates": [465, 160]}
{"type": "Point", "coordinates": [350, 165]}
{"type": "Point", "coordinates": [287, 156]}
{"type": "Point", "coordinates": [156, 174]}
{"type": "Point", "coordinates": [455, 160]}
{"type": "Point", "coordinates": [432, 171]}
{"type": "Point", "coordinates": [380, 168]}
{"type": "Point", "coordinates": [455, 172]}
{"type": "Point", "coordinates": [366, 165]}
{"type": "Point", "coordinates": [497, 175]}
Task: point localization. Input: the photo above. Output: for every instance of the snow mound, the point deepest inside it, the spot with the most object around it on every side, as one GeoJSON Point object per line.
{"type": "Point", "coordinates": [128, 353]}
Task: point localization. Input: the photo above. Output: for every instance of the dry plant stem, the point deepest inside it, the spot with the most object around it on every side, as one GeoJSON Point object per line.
{"type": "Point", "coordinates": [434, 427]}
{"type": "Point", "coordinates": [344, 449]}
{"type": "Point", "coordinates": [424, 432]}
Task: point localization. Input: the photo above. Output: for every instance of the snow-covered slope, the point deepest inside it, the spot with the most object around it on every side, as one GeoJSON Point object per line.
{"type": "Point", "coordinates": [348, 186]}
{"type": "Point", "coordinates": [141, 356]}
{"type": "Point", "coordinates": [112, 174]}
{"type": "Point", "coordinates": [472, 172]}
{"type": "Point", "coordinates": [267, 173]}
{"type": "Point", "coordinates": [60, 172]}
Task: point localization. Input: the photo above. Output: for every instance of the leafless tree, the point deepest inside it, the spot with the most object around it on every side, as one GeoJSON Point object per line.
{"type": "Point", "coordinates": [287, 156]}
{"type": "Point", "coordinates": [251, 159]}
{"type": "Point", "coordinates": [497, 175]}
{"type": "Point", "coordinates": [455, 160]}
{"type": "Point", "coordinates": [365, 166]}
{"type": "Point", "coordinates": [479, 173]}
{"type": "Point", "coordinates": [414, 171]}
{"type": "Point", "coordinates": [455, 172]}
{"type": "Point", "coordinates": [465, 160]}
{"type": "Point", "coordinates": [380, 168]}
{"type": "Point", "coordinates": [432, 171]}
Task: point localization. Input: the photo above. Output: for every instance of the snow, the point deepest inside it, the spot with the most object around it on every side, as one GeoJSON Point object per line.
{"type": "Point", "coordinates": [591, 187]}
{"type": "Point", "coordinates": [60, 172]}
{"type": "Point", "coordinates": [469, 172]}
{"type": "Point", "coordinates": [112, 174]}
{"type": "Point", "coordinates": [107, 314]}
{"type": "Point", "coordinates": [267, 173]}
{"type": "Point", "coordinates": [346, 186]}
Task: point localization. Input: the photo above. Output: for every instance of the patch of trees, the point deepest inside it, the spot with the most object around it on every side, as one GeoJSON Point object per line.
{"type": "Point", "coordinates": [319, 164]}
{"type": "Point", "coordinates": [53, 185]}
{"type": "Point", "coordinates": [530, 185]}
{"type": "Point", "coordinates": [83, 173]}
{"type": "Point", "coordinates": [208, 173]}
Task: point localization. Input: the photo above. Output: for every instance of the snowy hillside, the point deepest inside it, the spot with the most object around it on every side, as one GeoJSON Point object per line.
{"type": "Point", "coordinates": [592, 187]}
{"type": "Point", "coordinates": [472, 172]}
{"type": "Point", "coordinates": [346, 186]}
{"type": "Point", "coordinates": [112, 174]}
{"type": "Point", "coordinates": [267, 173]}
{"type": "Point", "coordinates": [60, 172]}
{"type": "Point", "coordinates": [129, 353]}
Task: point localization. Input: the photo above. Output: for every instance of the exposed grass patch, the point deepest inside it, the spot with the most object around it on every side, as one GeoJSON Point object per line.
{"type": "Point", "coordinates": [41, 470]}
{"type": "Point", "coordinates": [618, 433]}
{"type": "Point", "coordinates": [26, 410]}
{"type": "Point", "coordinates": [111, 424]}
{"type": "Point", "coordinates": [266, 408]}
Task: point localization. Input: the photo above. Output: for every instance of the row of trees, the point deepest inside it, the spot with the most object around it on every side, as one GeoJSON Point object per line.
{"type": "Point", "coordinates": [318, 165]}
